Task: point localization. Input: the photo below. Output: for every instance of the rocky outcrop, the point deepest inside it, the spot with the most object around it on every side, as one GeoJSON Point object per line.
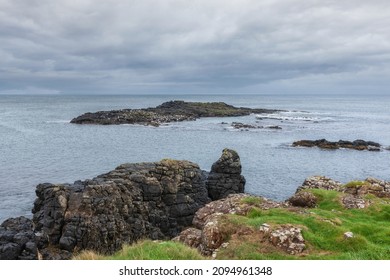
{"type": "Point", "coordinates": [287, 237]}
{"type": "Point", "coordinates": [319, 182]}
{"type": "Point", "coordinates": [225, 176]}
{"type": "Point", "coordinates": [172, 111]}
{"type": "Point", "coordinates": [354, 191]}
{"type": "Point", "coordinates": [211, 228]}
{"type": "Point", "coordinates": [142, 200]}
{"type": "Point", "coordinates": [17, 240]}
{"type": "Point", "coordinates": [325, 144]}
{"type": "Point", "coordinates": [303, 199]}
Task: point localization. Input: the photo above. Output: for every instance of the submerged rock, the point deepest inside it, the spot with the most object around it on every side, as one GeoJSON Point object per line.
{"type": "Point", "coordinates": [287, 237]}
{"type": "Point", "coordinates": [245, 126]}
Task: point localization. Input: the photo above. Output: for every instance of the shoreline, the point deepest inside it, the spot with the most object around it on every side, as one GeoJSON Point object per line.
{"type": "Point", "coordinates": [176, 199]}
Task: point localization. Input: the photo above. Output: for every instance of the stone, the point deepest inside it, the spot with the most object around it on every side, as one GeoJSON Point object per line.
{"type": "Point", "coordinates": [171, 111]}
{"type": "Point", "coordinates": [303, 199]}
{"type": "Point", "coordinates": [17, 240]}
{"type": "Point", "coordinates": [325, 144]}
{"type": "Point", "coordinates": [287, 237]}
{"type": "Point", "coordinates": [225, 176]}
{"type": "Point", "coordinates": [155, 200]}
{"type": "Point", "coordinates": [244, 126]}
{"type": "Point", "coordinates": [348, 235]}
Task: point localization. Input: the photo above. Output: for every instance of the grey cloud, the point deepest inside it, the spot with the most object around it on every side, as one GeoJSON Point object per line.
{"type": "Point", "coordinates": [201, 46]}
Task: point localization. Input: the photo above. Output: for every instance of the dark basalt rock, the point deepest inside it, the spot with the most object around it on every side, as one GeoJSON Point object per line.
{"type": "Point", "coordinates": [324, 144]}
{"type": "Point", "coordinates": [134, 201]}
{"type": "Point", "coordinates": [154, 200]}
{"type": "Point", "coordinates": [17, 240]}
{"type": "Point", "coordinates": [172, 111]}
{"type": "Point", "coordinates": [225, 176]}
{"type": "Point", "coordinates": [303, 199]}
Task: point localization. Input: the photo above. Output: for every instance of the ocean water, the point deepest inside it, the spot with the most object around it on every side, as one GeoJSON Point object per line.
{"type": "Point", "coordinates": [38, 144]}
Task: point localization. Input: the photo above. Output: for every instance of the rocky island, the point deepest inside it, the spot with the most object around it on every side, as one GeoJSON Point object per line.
{"type": "Point", "coordinates": [200, 215]}
{"type": "Point", "coordinates": [359, 145]}
{"type": "Point", "coordinates": [171, 111]}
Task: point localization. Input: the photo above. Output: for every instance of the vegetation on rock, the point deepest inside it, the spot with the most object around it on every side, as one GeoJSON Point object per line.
{"type": "Point", "coordinates": [171, 111]}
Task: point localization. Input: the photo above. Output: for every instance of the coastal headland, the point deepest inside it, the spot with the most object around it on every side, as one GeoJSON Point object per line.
{"type": "Point", "coordinates": [179, 205]}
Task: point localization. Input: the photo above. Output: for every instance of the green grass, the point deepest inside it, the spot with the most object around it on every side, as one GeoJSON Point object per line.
{"type": "Point", "coordinates": [323, 229]}
{"type": "Point", "coordinates": [148, 250]}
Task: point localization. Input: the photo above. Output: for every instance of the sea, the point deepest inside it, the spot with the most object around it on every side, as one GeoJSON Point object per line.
{"type": "Point", "coordinates": [38, 144]}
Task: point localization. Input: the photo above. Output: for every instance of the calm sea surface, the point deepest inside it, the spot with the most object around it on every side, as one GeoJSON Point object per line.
{"type": "Point", "coordinates": [38, 144]}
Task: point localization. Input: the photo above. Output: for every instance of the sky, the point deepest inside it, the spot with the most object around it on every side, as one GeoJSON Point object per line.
{"type": "Point", "coordinates": [197, 47]}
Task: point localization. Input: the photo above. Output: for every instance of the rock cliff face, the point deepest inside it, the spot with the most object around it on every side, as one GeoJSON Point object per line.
{"type": "Point", "coordinates": [225, 176]}
{"type": "Point", "coordinates": [142, 200]}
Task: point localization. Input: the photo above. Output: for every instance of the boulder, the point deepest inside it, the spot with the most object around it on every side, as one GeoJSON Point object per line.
{"type": "Point", "coordinates": [287, 237]}
{"type": "Point", "coordinates": [225, 176]}
{"type": "Point", "coordinates": [303, 199]}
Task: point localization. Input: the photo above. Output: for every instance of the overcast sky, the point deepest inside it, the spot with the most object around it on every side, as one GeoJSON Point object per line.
{"type": "Point", "coordinates": [199, 46]}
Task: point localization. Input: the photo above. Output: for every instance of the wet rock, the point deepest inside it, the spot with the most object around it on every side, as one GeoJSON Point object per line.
{"type": "Point", "coordinates": [274, 127]}
{"type": "Point", "coordinates": [212, 235]}
{"type": "Point", "coordinates": [134, 201]}
{"type": "Point", "coordinates": [244, 126]}
{"type": "Point", "coordinates": [229, 205]}
{"type": "Point", "coordinates": [225, 176]}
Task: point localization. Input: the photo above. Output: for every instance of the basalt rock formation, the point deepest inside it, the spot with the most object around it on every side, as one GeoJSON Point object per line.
{"type": "Point", "coordinates": [325, 144]}
{"type": "Point", "coordinates": [171, 111]}
{"type": "Point", "coordinates": [142, 200]}
{"type": "Point", "coordinates": [225, 176]}
{"type": "Point", "coordinates": [17, 240]}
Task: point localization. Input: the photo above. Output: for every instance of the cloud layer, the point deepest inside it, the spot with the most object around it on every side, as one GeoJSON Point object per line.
{"type": "Point", "coordinates": [180, 46]}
